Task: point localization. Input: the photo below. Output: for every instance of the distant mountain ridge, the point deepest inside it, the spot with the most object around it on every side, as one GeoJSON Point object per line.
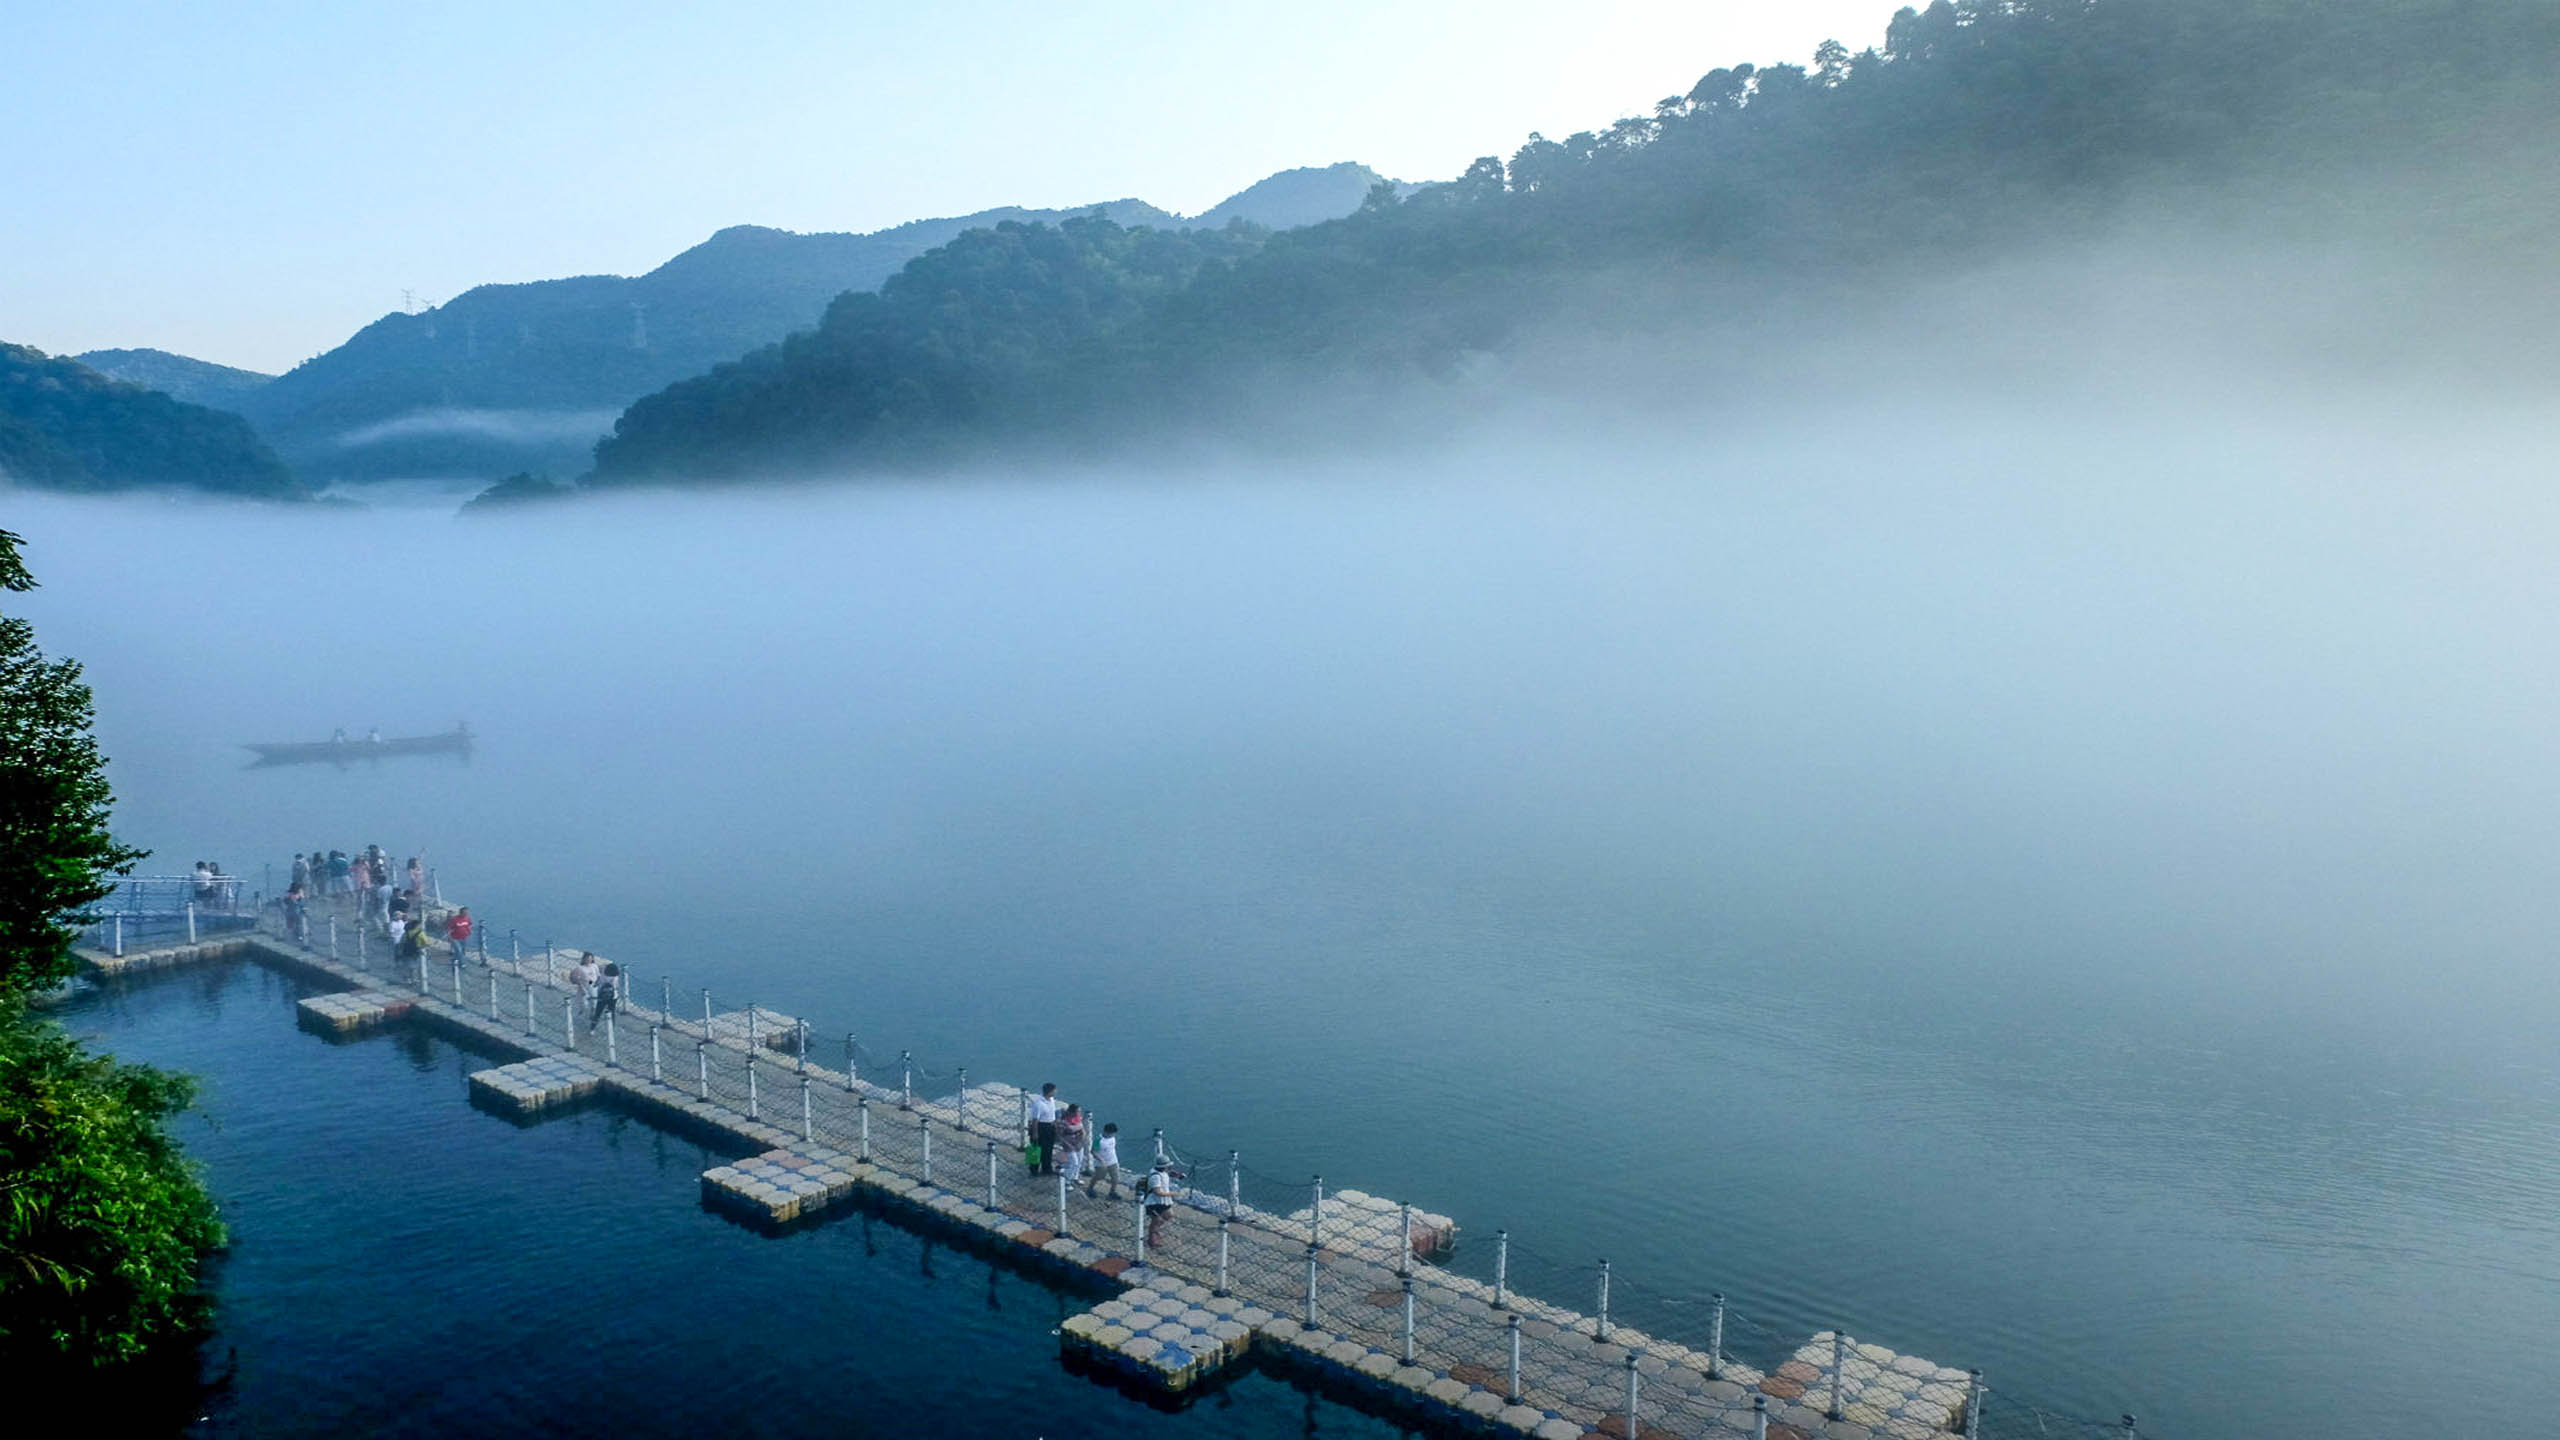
{"type": "Point", "coordinates": [180, 377]}
{"type": "Point", "coordinates": [64, 426]}
{"type": "Point", "coordinates": [526, 377]}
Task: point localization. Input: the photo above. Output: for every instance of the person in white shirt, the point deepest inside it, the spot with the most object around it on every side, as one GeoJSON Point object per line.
{"type": "Point", "coordinates": [582, 977]}
{"type": "Point", "coordinates": [1044, 1127]}
{"type": "Point", "coordinates": [1106, 1163]}
{"type": "Point", "coordinates": [1160, 1193]}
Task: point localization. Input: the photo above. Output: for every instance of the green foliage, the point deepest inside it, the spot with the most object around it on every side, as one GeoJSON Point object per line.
{"type": "Point", "coordinates": [55, 850]}
{"type": "Point", "coordinates": [180, 377]}
{"type": "Point", "coordinates": [65, 426]}
{"type": "Point", "coordinates": [1978, 129]}
{"type": "Point", "coordinates": [102, 1222]}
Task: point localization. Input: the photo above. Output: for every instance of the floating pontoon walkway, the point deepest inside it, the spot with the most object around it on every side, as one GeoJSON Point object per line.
{"type": "Point", "coordinates": [1341, 1290]}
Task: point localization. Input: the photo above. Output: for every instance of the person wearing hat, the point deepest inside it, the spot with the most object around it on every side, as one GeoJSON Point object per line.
{"type": "Point", "coordinates": [1160, 1193]}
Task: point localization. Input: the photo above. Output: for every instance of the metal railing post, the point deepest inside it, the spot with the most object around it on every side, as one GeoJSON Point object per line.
{"type": "Point", "coordinates": [1235, 1185]}
{"type": "Point", "coordinates": [1404, 1248]}
{"type": "Point", "coordinates": [435, 885]}
{"type": "Point", "coordinates": [550, 962]}
{"type": "Point", "coordinates": [1138, 1208]}
{"type": "Point", "coordinates": [1633, 1395]}
{"type": "Point", "coordinates": [1715, 1339]}
{"type": "Point", "coordinates": [755, 1103]}
{"type": "Point", "coordinates": [1501, 1269]}
{"type": "Point", "coordinates": [706, 1012]}
{"type": "Point", "coordinates": [1309, 1319]}
{"type": "Point", "coordinates": [2128, 1428]}
{"type": "Point", "coordinates": [422, 972]}
{"type": "Point", "coordinates": [963, 1103]}
{"type": "Point", "coordinates": [666, 997]}
{"type": "Point", "coordinates": [529, 1027]}
{"type": "Point", "coordinates": [360, 960]}
{"type": "Point", "coordinates": [481, 939]}
{"type": "Point", "coordinates": [515, 951]}
{"type": "Point", "coordinates": [612, 1056]}
{"type": "Point", "coordinates": [702, 1068]}
{"type": "Point", "coordinates": [1161, 1157]}
{"type": "Point", "coordinates": [1601, 1331]}
{"type": "Point", "coordinates": [852, 1071]}
{"type": "Point", "coordinates": [1973, 1392]}
{"type": "Point", "coordinates": [800, 1044]}
{"type": "Point", "coordinates": [991, 1175]}
{"type": "Point", "coordinates": [457, 979]}
{"type": "Point", "coordinates": [1839, 1369]}
{"type": "Point", "coordinates": [1408, 1319]}
{"type": "Point", "coordinates": [1759, 1417]}
{"type": "Point", "coordinates": [1221, 1290]}
{"type": "Point", "coordinates": [862, 1138]}
{"type": "Point", "coordinates": [906, 1080]}
{"type": "Point", "coordinates": [1512, 1392]}
{"type": "Point", "coordinates": [191, 922]}
{"type": "Point", "coordinates": [924, 1128]}
{"type": "Point", "coordinates": [333, 936]}
{"type": "Point", "coordinates": [1315, 1215]}
{"type": "Point", "coordinates": [657, 1070]}
{"type": "Point", "coordinates": [753, 1038]}
{"type": "Point", "coordinates": [808, 1115]}
{"type": "Point", "coordinates": [493, 994]}
{"type": "Point", "coordinates": [569, 1019]}
{"type": "Point", "coordinates": [1062, 1194]}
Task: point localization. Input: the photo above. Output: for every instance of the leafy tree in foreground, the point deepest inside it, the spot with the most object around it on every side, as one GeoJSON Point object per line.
{"type": "Point", "coordinates": [103, 1223]}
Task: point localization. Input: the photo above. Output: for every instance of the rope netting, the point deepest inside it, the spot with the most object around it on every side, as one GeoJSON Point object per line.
{"type": "Point", "coordinates": [1388, 1278]}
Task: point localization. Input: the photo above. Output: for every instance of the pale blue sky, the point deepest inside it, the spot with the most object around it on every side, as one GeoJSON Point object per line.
{"type": "Point", "coordinates": [249, 183]}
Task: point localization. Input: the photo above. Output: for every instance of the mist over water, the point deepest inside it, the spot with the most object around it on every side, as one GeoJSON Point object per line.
{"type": "Point", "coordinates": [2063, 890]}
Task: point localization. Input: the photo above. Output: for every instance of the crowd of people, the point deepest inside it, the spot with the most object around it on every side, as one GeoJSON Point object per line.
{"type": "Point", "coordinates": [1059, 1139]}
{"type": "Point", "coordinates": [390, 901]}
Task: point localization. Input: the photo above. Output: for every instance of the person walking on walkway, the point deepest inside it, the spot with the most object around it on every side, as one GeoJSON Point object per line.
{"type": "Point", "coordinates": [1044, 1127]}
{"type": "Point", "coordinates": [457, 932]}
{"type": "Point", "coordinates": [1160, 1193]}
{"type": "Point", "coordinates": [1106, 1163]}
{"type": "Point", "coordinates": [608, 991]}
{"type": "Point", "coordinates": [582, 977]}
{"type": "Point", "coordinates": [1073, 1138]}
{"type": "Point", "coordinates": [297, 924]}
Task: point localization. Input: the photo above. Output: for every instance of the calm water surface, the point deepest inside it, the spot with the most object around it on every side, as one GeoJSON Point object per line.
{"type": "Point", "coordinates": [2083, 918]}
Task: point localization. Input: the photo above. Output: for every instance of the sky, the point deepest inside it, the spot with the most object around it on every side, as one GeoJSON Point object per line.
{"type": "Point", "coordinates": [250, 183]}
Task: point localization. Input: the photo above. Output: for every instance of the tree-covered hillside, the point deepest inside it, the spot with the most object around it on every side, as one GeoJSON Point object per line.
{"type": "Point", "coordinates": [180, 377]}
{"type": "Point", "coordinates": [525, 377]}
{"type": "Point", "coordinates": [1974, 131]}
{"type": "Point", "coordinates": [64, 426]}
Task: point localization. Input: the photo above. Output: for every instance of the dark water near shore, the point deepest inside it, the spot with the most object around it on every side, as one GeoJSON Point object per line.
{"type": "Point", "coordinates": [2081, 918]}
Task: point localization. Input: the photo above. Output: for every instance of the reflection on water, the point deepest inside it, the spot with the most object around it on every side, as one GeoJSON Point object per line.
{"type": "Point", "coordinates": [2077, 915]}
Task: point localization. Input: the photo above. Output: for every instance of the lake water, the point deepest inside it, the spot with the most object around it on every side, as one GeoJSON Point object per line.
{"type": "Point", "coordinates": [2077, 904]}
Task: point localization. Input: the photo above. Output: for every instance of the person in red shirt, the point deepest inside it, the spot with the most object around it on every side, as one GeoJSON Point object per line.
{"type": "Point", "coordinates": [458, 932]}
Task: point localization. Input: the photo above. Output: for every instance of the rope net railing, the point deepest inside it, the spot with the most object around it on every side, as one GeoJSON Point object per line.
{"type": "Point", "coordinates": [1385, 1277]}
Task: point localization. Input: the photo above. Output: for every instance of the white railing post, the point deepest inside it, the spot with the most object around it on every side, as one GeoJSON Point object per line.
{"type": "Point", "coordinates": [1839, 1370]}
{"type": "Point", "coordinates": [1501, 1269]}
{"type": "Point", "coordinates": [1601, 1330]}
{"type": "Point", "coordinates": [569, 1020]}
{"type": "Point", "coordinates": [1309, 1319]}
{"type": "Point", "coordinates": [612, 1056]}
{"type": "Point", "coordinates": [706, 1013]}
{"type": "Point", "coordinates": [529, 1026]}
{"type": "Point", "coordinates": [754, 1102]}
{"type": "Point", "coordinates": [906, 1080]}
{"type": "Point", "coordinates": [991, 1177]}
{"type": "Point", "coordinates": [1235, 1185]}
{"type": "Point", "coordinates": [862, 1111]}
{"type": "Point", "coordinates": [963, 1103]}
{"type": "Point", "coordinates": [808, 1115]}
{"type": "Point", "coordinates": [457, 979]}
{"type": "Point", "coordinates": [924, 1149]}
{"type": "Point", "coordinates": [666, 997]}
{"type": "Point", "coordinates": [1062, 1195]}
{"type": "Point", "coordinates": [1408, 1319]}
{"type": "Point", "coordinates": [1315, 1216]}
{"type": "Point", "coordinates": [1634, 1394]}
{"type": "Point", "coordinates": [702, 1068]}
{"type": "Point", "coordinates": [852, 1066]}
{"type": "Point", "coordinates": [1404, 1250]}
{"type": "Point", "coordinates": [1715, 1339]}
{"type": "Point", "coordinates": [1759, 1417]}
{"type": "Point", "coordinates": [657, 1071]}
{"type": "Point", "coordinates": [333, 936]}
{"type": "Point", "coordinates": [1139, 1248]}
{"type": "Point", "coordinates": [1221, 1290]}
{"type": "Point", "coordinates": [1512, 1391]}
{"type": "Point", "coordinates": [493, 994]}
{"type": "Point", "coordinates": [191, 922]}
{"type": "Point", "coordinates": [1974, 1390]}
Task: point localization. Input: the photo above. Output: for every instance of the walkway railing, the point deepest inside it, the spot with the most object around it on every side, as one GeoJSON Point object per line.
{"type": "Point", "coordinates": [1375, 1272]}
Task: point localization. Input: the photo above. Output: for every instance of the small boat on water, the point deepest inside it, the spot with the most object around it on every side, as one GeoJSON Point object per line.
{"type": "Point", "coordinates": [339, 749]}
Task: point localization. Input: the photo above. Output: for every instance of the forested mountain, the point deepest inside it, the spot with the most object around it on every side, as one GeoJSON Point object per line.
{"type": "Point", "coordinates": [525, 377]}
{"type": "Point", "coordinates": [64, 426]}
{"type": "Point", "coordinates": [1975, 130]}
{"type": "Point", "coordinates": [198, 382]}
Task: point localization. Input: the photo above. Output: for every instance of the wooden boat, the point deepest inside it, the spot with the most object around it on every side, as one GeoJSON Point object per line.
{"type": "Point", "coordinates": [456, 741]}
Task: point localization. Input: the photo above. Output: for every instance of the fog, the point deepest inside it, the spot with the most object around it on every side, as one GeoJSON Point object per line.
{"type": "Point", "coordinates": [2028, 829]}
{"type": "Point", "coordinates": [512, 426]}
